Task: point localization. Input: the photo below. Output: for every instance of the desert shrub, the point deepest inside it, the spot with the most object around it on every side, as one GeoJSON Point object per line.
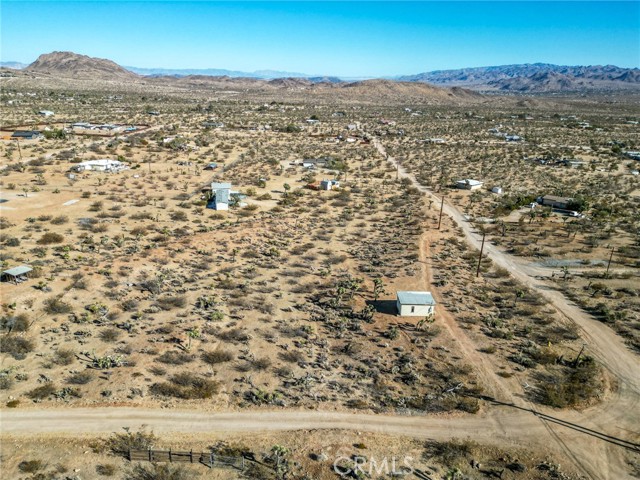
{"type": "Point", "coordinates": [261, 363]}
{"type": "Point", "coordinates": [217, 356]}
{"type": "Point", "coordinates": [449, 453]}
{"type": "Point", "coordinates": [106, 470]}
{"type": "Point", "coordinates": [64, 357]}
{"type": "Point", "coordinates": [60, 220]}
{"type": "Point", "coordinates": [187, 386]}
{"type": "Point", "coordinates": [50, 238]}
{"type": "Point", "coordinates": [6, 382]}
{"type": "Point", "coordinates": [121, 443]}
{"type": "Point", "coordinates": [17, 323]}
{"type": "Point", "coordinates": [568, 387]}
{"type": "Point", "coordinates": [173, 357]}
{"type": "Point", "coordinates": [17, 347]}
{"type": "Point", "coordinates": [30, 466]}
{"type": "Point", "coordinates": [293, 356]}
{"type": "Point", "coordinates": [156, 471]}
{"type": "Point", "coordinates": [110, 335]}
{"type": "Point", "coordinates": [81, 378]}
{"type": "Point", "coordinates": [13, 403]}
{"type": "Point", "coordinates": [55, 305]}
{"type": "Point", "coordinates": [234, 335]}
{"type": "Point", "coordinates": [42, 392]}
{"type": "Point", "coordinates": [169, 302]}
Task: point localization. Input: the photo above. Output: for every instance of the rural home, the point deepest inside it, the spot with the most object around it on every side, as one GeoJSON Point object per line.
{"type": "Point", "coordinates": [555, 201]}
{"type": "Point", "coordinates": [220, 196]}
{"type": "Point", "coordinates": [46, 113]}
{"type": "Point", "coordinates": [415, 304]}
{"type": "Point", "coordinates": [315, 163]}
{"type": "Point", "coordinates": [26, 135]}
{"type": "Point", "coordinates": [103, 165]}
{"type": "Point", "coordinates": [469, 184]}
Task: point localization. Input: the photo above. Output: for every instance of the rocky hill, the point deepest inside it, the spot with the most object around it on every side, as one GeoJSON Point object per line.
{"type": "Point", "coordinates": [69, 64]}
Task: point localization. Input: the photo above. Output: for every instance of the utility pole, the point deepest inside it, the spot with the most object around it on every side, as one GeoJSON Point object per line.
{"type": "Point", "coordinates": [610, 257]}
{"type": "Point", "coordinates": [19, 150]}
{"type": "Point", "coordinates": [441, 208]}
{"type": "Point", "coordinates": [480, 257]}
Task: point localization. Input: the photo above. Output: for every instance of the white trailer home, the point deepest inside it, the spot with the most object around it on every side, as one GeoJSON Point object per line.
{"type": "Point", "coordinates": [415, 304]}
{"type": "Point", "coordinates": [103, 165]}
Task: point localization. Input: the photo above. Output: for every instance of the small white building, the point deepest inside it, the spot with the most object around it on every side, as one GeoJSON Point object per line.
{"type": "Point", "coordinates": [469, 184]}
{"type": "Point", "coordinates": [329, 184]}
{"type": "Point", "coordinates": [102, 165]}
{"type": "Point", "coordinates": [46, 113]}
{"type": "Point", "coordinates": [220, 196]}
{"type": "Point", "coordinates": [497, 190]}
{"type": "Point", "coordinates": [415, 304]}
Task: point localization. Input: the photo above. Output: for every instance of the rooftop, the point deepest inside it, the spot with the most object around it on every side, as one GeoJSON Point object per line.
{"type": "Point", "coordinates": [17, 271]}
{"type": "Point", "coordinates": [415, 298]}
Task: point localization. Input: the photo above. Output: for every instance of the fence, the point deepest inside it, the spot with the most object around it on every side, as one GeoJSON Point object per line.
{"type": "Point", "coordinates": [208, 459]}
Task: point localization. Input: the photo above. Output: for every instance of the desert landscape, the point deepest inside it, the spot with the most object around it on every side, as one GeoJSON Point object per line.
{"type": "Point", "coordinates": [212, 265]}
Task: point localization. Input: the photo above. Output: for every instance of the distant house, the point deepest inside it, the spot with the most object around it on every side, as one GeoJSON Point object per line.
{"type": "Point", "coordinates": [497, 190]}
{"type": "Point", "coordinates": [315, 163]}
{"type": "Point", "coordinates": [26, 135]}
{"type": "Point", "coordinates": [469, 184]}
{"type": "Point", "coordinates": [436, 140]}
{"type": "Point", "coordinates": [415, 304]}
{"type": "Point", "coordinates": [513, 138]}
{"type": "Point", "coordinates": [220, 196]}
{"type": "Point", "coordinates": [16, 274]}
{"type": "Point", "coordinates": [211, 124]}
{"type": "Point", "coordinates": [633, 155]}
{"type": "Point", "coordinates": [329, 184]}
{"type": "Point", "coordinates": [574, 163]}
{"type": "Point", "coordinates": [46, 113]}
{"type": "Point", "coordinates": [211, 166]}
{"type": "Point", "coordinates": [103, 165]}
{"type": "Point", "coordinates": [554, 201]}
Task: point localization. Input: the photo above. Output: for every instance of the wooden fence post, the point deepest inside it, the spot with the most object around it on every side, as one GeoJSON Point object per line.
{"type": "Point", "coordinates": [191, 455]}
{"type": "Point", "coordinates": [129, 454]}
{"type": "Point", "coordinates": [150, 456]}
{"type": "Point", "coordinates": [170, 460]}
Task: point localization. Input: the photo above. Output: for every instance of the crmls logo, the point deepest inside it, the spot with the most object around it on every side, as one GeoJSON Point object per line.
{"type": "Point", "coordinates": [355, 466]}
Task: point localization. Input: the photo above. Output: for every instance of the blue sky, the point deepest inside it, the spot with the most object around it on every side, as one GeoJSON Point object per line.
{"type": "Point", "coordinates": [337, 38]}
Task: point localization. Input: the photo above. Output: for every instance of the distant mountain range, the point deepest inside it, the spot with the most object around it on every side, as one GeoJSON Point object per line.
{"type": "Point", "coordinates": [215, 72]}
{"type": "Point", "coordinates": [524, 78]}
{"type": "Point", "coordinates": [529, 78]}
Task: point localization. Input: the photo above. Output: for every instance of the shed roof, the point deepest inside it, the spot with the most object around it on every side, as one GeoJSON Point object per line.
{"type": "Point", "coordinates": [220, 186]}
{"type": "Point", "coordinates": [17, 271]}
{"type": "Point", "coordinates": [416, 298]}
{"type": "Point", "coordinates": [470, 182]}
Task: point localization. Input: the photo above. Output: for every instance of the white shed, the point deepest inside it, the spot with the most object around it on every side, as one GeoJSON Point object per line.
{"type": "Point", "coordinates": [415, 304]}
{"type": "Point", "coordinates": [469, 184]}
{"type": "Point", "coordinates": [497, 190]}
{"type": "Point", "coordinates": [221, 196]}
